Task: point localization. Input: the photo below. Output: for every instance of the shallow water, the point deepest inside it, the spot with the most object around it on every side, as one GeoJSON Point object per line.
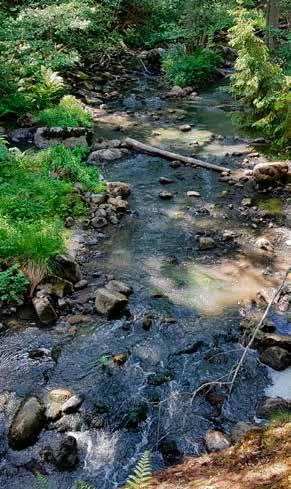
{"type": "Point", "coordinates": [154, 247]}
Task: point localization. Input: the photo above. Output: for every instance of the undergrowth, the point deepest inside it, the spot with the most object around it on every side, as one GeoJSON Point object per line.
{"type": "Point", "coordinates": [191, 69]}
{"type": "Point", "coordinates": [37, 192]}
{"type": "Point", "coordinates": [68, 113]}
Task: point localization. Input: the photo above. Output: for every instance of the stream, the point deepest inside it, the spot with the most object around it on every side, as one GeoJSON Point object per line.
{"type": "Point", "coordinates": [193, 301]}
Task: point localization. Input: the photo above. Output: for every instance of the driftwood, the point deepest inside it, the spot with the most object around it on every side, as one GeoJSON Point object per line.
{"type": "Point", "coordinates": [145, 148]}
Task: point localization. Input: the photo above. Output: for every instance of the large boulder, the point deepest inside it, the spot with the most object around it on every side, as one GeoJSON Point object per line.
{"type": "Point", "coordinates": [274, 339]}
{"type": "Point", "coordinates": [265, 172]}
{"type": "Point", "coordinates": [216, 441]}
{"type": "Point", "coordinates": [46, 137]}
{"type": "Point", "coordinates": [66, 267]}
{"type": "Point", "coordinates": [27, 424]}
{"type": "Point", "coordinates": [109, 302]}
{"type": "Point", "coordinates": [44, 309]}
{"type": "Point", "coordinates": [276, 358]}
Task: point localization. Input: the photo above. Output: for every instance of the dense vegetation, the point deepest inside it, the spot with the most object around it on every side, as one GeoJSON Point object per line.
{"type": "Point", "coordinates": [42, 42]}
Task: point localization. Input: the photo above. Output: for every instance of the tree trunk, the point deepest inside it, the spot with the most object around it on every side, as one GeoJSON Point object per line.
{"type": "Point", "coordinates": [145, 148]}
{"type": "Point", "coordinates": [272, 21]}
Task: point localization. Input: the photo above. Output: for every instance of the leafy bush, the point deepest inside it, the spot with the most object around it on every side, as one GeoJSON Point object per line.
{"type": "Point", "coordinates": [68, 113]}
{"type": "Point", "coordinates": [259, 84]}
{"type": "Point", "coordinates": [13, 284]}
{"type": "Point", "coordinates": [191, 69]}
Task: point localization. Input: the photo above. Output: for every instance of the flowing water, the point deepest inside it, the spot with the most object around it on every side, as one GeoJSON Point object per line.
{"type": "Point", "coordinates": [195, 299]}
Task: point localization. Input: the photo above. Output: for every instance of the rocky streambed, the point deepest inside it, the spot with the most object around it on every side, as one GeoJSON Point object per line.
{"type": "Point", "coordinates": [171, 274]}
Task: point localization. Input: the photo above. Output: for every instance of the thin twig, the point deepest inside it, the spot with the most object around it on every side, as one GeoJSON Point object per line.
{"type": "Point", "coordinates": [257, 328]}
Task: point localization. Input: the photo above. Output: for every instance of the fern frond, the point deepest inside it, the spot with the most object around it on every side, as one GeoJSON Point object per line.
{"type": "Point", "coordinates": [141, 476]}
{"type": "Point", "coordinates": [84, 485]}
{"type": "Point", "coordinates": [41, 482]}
{"type": "Point", "coordinates": [51, 80]}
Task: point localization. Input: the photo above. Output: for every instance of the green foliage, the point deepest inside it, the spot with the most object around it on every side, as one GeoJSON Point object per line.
{"type": "Point", "coordinates": [13, 284]}
{"type": "Point", "coordinates": [68, 113]}
{"type": "Point", "coordinates": [140, 479]}
{"type": "Point", "coordinates": [55, 35]}
{"type": "Point", "coordinates": [281, 416]}
{"type": "Point", "coordinates": [36, 193]}
{"type": "Point", "coordinates": [259, 84]}
{"type": "Point", "coordinates": [84, 485]}
{"type": "Point", "coordinates": [41, 482]}
{"type": "Point", "coordinates": [191, 69]}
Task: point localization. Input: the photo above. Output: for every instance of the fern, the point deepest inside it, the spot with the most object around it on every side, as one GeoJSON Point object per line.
{"type": "Point", "coordinates": [51, 80]}
{"type": "Point", "coordinates": [84, 485]}
{"type": "Point", "coordinates": [41, 482]}
{"type": "Point", "coordinates": [142, 473]}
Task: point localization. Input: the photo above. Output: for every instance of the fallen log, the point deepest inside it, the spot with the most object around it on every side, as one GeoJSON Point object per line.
{"type": "Point", "coordinates": [145, 148]}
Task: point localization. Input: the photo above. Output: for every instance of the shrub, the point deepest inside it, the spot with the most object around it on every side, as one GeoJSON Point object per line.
{"type": "Point", "coordinates": [68, 113]}
{"type": "Point", "coordinates": [259, 84]}
{"type": "Point", "coordinates": [191, 69]}
{"type": "Point", "coordinates": [13, 284]}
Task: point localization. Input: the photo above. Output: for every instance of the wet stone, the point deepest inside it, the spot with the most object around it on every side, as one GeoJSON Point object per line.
{"type": "Point", "coordinates": [66, 456]}
{"type": "Point", "coordinates": [276, 358]}
{"type": "Point", "coordinates": [216, 441]}
{"type": "Point", "coordinates": [206, 243]}
{"type": "Point", "coordinates": [165, 195]}
{"type": "Point", "coordinates": [27, 424]}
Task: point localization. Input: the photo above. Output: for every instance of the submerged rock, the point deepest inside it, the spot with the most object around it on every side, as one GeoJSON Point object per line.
{"type": "Point", "coordinates": [44, 309]}
{"type": "Point", "coordinates": [276, 358]}
{"type": "Point", "coordinates": [206, 243]}
{"type": "Point", "coordinates": [165, 195]}
{"type": "Point", "coordinates": [216, 441]}
{"type": "Point", "coordinates": [121, 287]}
{"type": "Point", "coordinates": [109, 302]}
{"type": "Point", "coordinates": [27, 424]}
{"type": "Point", "coordinates": [66, 456]}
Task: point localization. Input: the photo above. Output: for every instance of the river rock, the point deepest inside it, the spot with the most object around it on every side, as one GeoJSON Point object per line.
{"type": "Point", "coordinates": [206, 243]}
{"type": "Point", "coordinates": [119, 189]}
{"type": "Point", "coordinates": [119, 204]}
{"type": "Point", "coordinates": [55, 286]}
{"type": "Point", "coordinates": [165, 195]}
{"type": "Point", "coordinates": [27, 424]}
{"type": "Point", "coordinates": [56, 400]}
{"type": "Point", "coordinates": [175, 92]}
{"type": "Point", "coordinates": [216, 441]}
{"type": "Point", "coordinates": [67, 268]}
{"type": "Point", "coordinates": [66, 456]}
{"type": "Point", "coordinates": [276, 358]}
{"type": "Point", "coordinates": [165, 180]}
{"type": "Point", "coordinates": [264, 244]}
{"type": "Point", "coordinates": [72, 404]}
{"type": "Point", "coordinates": [264, 172]}
{"type": "Point", "coordinates": [105, 155]}
{"type": "Point", "coordinates": [99, 222]}
{"type": "Point", "coordinates": [69, 422]}
{"type": "Point", "coordinates": [44, 309]}
{"type": "Point", "coordinates": [185, 128]}
{"type": "Point", "coordinates": [192, 193]}
{"type": "Point", "coordinates": [271, 405]}
{"type": "Point", "coordinates": [45, 137]}
{"type": "Point", "coordinates": [240, 430]}
{"type": "Point", "coordinates": [121, 287]}
{"type": "Point", "coordinates": [82, 284]}
{"type": "Point", "coordinates": [109, 302]}
{"type": "Point", "coordinates": [25, 134]}
{"type": "Point", "coordinates": [275, 339]}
